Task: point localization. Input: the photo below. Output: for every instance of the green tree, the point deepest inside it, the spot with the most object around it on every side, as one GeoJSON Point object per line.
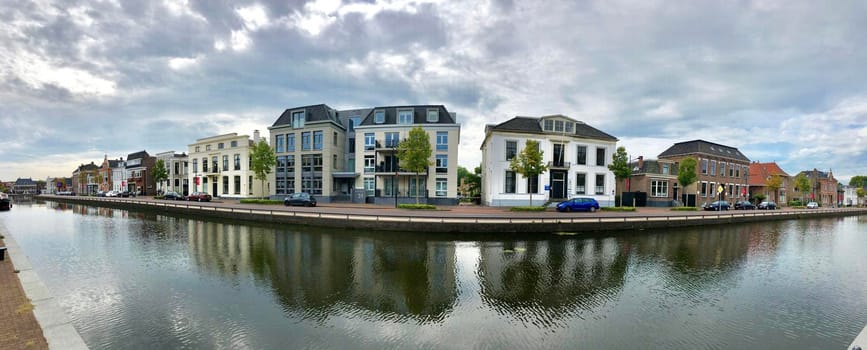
{"type": "Point", "coordinates": [802, 184]}
{"type": "Point", "coordinates": [528, 162]}
{"type": "Point", "coordinates": [262, 160]}
{"type": "Point", "coordinates": [470, 183]}
{"type": "Point", "coordinates": [686, 174]}
{"type": "Point", "coordinates": [858, 181]}
{"type": "Point", "coordinates": [620, 167]}
{"type": "Point", "coordinates": [759, 197]}
{"type": "Point", "coordinates": [860, 193]}
{"type": "Point", "coordinates": [3, 187]}
{"type": "Point", "coordinates": [414, 152]}
{"type": "Point", "coordinates": [82, 181]}
{"type": "Point", "coordinates": [159, 173]}
{"type": "Point", "coordinates": [773, 183]}
{"type": "Point", "coordinates": [98, 178]}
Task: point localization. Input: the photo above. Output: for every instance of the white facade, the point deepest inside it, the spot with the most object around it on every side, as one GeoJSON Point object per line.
{"type": "Point", "coordinates": [850, 196]}
{"type": "Point", "coordinates": [220, 165]}
{"type": "Point", "coordinates": [565, 175]}
{"type": "Point", "coordinates": [177, 172]}
{"type": "Point", "coordinates": [119, 176]}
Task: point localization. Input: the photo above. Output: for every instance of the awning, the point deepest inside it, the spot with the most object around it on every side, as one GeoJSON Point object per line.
{"type": "Point", "coordinates": [344, 175]}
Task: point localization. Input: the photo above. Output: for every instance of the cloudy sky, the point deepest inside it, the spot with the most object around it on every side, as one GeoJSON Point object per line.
{"type": "Point", "coordinates": [783, 81]}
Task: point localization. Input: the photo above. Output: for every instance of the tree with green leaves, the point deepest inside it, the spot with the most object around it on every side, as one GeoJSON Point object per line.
{"type": "Point", "coordinates": [528, 162]}
{"type": "Point", "coordinates": [159, 173]}
{"type": "Point", "coordinates": [470, 183]}
{"type": "Point", "coordinates": [802, 185]}
{"type": "Point", "coordinates": [759, 197]}
{"type": "Point", "coordinates": [860, 193]}
{"type": "Point", "coordinates": [858, 181]}
{"type": "Point", "coordinates": [773, 183]}
{"type": "Point", "coordinates": [262, 159]}
{"type": "Point", "coordinates": [620, 167]}
{"type": "Point", "coordinates": [82, 181]}
{"type": "Point", "coordinates": [686, 172]}
{"type": "Point", "coordinates": [98, 180]}
{"type": "Point", "coordinates": [413, 154]}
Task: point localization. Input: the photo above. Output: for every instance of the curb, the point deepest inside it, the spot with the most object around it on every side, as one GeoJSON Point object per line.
{"type": "Point", "coordinates": [56, 325]}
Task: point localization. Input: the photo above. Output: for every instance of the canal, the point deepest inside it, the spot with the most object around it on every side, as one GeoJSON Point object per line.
{"type": "Point", "coordinates": [144, 280]}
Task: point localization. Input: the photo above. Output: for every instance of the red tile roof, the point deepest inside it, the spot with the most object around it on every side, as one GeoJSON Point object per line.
{"type": "Point", "coordinates": [759, 172]}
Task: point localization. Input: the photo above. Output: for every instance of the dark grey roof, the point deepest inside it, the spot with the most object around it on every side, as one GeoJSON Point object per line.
{"type": "Point", "coordinates": [138, 155]}
{"type": "Point", "coordinates": [703, 147]}
{"type": "Point", "coordinates": [534, 126]}
{"type": "Point", "coordinates": [113, 163]}
{"type": "Point", "coordinates": [25, 182]}
{"type": "Point", "coordinates": [419, 115]}
{"type": "Point", "coordinates": [87, 167]}
{"type": "Point", "coordinates": [809, 173]}
{"type": "Point", "coordinates": [313, 113]}
{"type": "Point", "coordinates": [652, 166]}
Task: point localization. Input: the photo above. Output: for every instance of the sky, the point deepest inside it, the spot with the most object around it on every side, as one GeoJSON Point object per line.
{"type": "Point", "coordinates": [783, 81]}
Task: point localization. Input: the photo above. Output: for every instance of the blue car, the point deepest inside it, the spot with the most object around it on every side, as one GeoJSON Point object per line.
{"type": "Point", "coordinates": [578, 204]}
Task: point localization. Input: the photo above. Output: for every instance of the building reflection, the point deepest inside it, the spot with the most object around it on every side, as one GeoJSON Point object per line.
{"type": "Point", "coordinates": [319, 274]}
{"type": "Point", "coordinates": [542, 282]}
{"type": "Point", "coordinates": [713, 248]}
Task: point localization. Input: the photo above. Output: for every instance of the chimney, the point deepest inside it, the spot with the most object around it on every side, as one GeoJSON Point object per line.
{"type": "Point", "coordinates": [255, 136]}
{"type": "Point", "coordinates": [640, 162]}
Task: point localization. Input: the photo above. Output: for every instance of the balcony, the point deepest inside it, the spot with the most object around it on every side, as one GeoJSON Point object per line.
{"type": "Point", "coordinates": [387, 145]}
{"type": "Point", "coordinates": [559, 165]}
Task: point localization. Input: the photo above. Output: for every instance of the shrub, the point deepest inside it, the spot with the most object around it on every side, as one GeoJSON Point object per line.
{"type": "Point", "coordinates": [799, 207]}
{"type": "Point", "coordinates": [417, 206]}
{"type": "Point", "coordinates": [795, 203]}
{"type": "Point", "coordinates": [684, 209]}
{"type": "Point", "coordinates": [617, 208]}
{"type": "Point", "coordinates": [528, 208]}
{"type": "Point", "coordinates": [260, 201]}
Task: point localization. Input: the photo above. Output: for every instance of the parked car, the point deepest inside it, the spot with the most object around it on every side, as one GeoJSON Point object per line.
{"type": "Point", "coordinates": [300, 198]}
{"type": "Point", "coordinates": [767, 205]}
{"type": "Point", "coordinates": [578, 203]}
{"type": "Point", "coordinates": [717, 205]}
{"type": "Point", "coordinates": [112, 193]}
{"type": "Point", "coordinates": [812, 205]}
{"type": "Point", "coordinates": [173, 195]}
{"type": "Point", "coordinates": [199, 197]}
{"type": "Point", "coordinates": [100, 194]}
{"type": "Point", "coordinates": [123, 194]}
{"type": "Point", "coordinates": [744, 205]}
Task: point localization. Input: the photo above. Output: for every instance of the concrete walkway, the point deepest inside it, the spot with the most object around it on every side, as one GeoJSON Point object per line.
{"type": "Point", "coordinates": [30, 317]}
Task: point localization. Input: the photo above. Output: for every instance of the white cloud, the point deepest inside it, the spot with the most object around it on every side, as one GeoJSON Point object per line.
{"type": "Point", "coordinates": [240, 40]}
{"type": "Point", "coordinates": [37, 72]}
{"type": "Point", "coordinates": [254, 16]}
{"type": "Point", "coordinates": [182, 8]}
{"type": "Point", "coordinates": [182, 63]}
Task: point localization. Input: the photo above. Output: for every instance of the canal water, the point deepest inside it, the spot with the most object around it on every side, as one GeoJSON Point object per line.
{"type": "Point", "coordinates": [142, 280]}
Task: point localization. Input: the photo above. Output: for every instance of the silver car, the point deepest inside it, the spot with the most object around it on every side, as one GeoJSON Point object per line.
{"type": "Point", "coordinates": [812, 205]}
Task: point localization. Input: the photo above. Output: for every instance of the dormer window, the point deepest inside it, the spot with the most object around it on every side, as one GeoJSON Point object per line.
{"type": "Point", "coordinates": [558, 125]}
{"type": "Point", "coordinates": [404, 117]}
{"type": "Point", "coordinates": [379, 117]}
{"type": "Point", "coordinates": [433, 116]}
{"type": "Point", "coordinates": [548, 125]}
{"type": "Point", "coordinates": [298, 119]}
{"type": "Point", "coordinates": [569, 127]}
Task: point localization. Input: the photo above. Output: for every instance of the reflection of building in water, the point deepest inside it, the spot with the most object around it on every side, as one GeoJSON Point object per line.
{"type": "Point", "coordinates": [542, 281]}
{"type": "Point", "coordinates": [717, 247]}
{"type": "Point", "coordinates": [317, 274]}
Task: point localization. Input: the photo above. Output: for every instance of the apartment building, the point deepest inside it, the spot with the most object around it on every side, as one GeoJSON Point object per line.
{"type": "Point", "coordinates": [576, 153]}
{"type": "Point", "coordinates": [719, 167]}
{"type": "Point", "coordinates": [177, 172]}
{"type": "Point", "coordinates": [220, 166]}
{"type": "Point", "coordinates": [139, 179]}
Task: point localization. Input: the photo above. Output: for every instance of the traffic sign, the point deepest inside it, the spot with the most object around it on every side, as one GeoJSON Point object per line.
{"type": "Point", "coordinates": [720, 189]}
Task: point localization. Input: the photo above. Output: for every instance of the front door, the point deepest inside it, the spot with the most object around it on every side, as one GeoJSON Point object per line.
{"type": "Point", "coordinates": [214, 188]}
{"type": "Point", "coordinates": [558, 184]}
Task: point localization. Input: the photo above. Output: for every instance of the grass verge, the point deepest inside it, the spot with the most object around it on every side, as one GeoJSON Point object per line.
{"type": "Point", "coordinates": [617, 209]}
{"type": "Point", "coordinates": [531, 208]}
{"type": "Point", "coordinates": [417, 206]}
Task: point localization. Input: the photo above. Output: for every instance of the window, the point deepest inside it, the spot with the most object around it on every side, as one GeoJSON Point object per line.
{"type": "Point", "coordinates": [305, 141]}
{"type": "Point", "coordinates": [533, 184]}
{"type": "Point", "coordinates": [369, 186]}
{"type": "Point", "coordinates": [582, 155]}
{"type": "Point", "coordinates": [665, 170]}
{"type": "Point", "coordinates": [704, 189]}
{"type": "Point", "coordinates": [334, 161]}
{"type": "Point", "coordinates": [225, 162]}
{"type": "Point", "coordinates": [317, 140]}
{"type": "Point", "coordinates": [237, 184]}
{"type": "Point", "coordinates": [388, 186]}
{"type": "Point", "coordinates": [722, 169]}
{"type": "Point", "coordinates": [214, 166]}
{"type": "Point", "coordinates": [737, 171]}
{"type": "Point", "coordinates": [417, 186]}
{"type": "Point", "coordinates": [177, 183]}
{"type": "Point", "coordinates": [351, 145]}
{"type": "Point", "coordinates": [177, 168]}
{"type": "Point", "coordinates": [204, 165]}
{"type": "Point", "coordinates": [195, 165]}
{"type": "Point", "coordinates": [549, 125]}
{"type": "Point", "coordinates": [392, 139]}
{"type": "Point", "coordinates": [600, 156]}
{"type": "Point", "coordinates": [442, 163]}
{"type": "Point", "coordinates": [297, 119]}
{"type": "Point", "coordinates": [433, 115]}
{"type": "Point", "coordinates": [581, 184]}
{"type": "Point", "coordinates": [600, 184]}
{"type": "Point", "coordinates": [569, 126]}
{"type": "Point", "coordinates": [379, 117]}
{"type": "Point", "coordinates": [225, 185]}
{"type": "Point", "coordinates": [369, 164]}
{"type": "Point", "coordinates": [559, 155]}
{"type": "Point", "coordinates": [746, 172]}
{"type": "Point", "coordinates": [207, 148]}
{"type": "Point", "coordinates": [511, 150]}
{"type": "Point", "coordinates": [290, 166]}
{"type": "Point", "coordinates": [278, 144]}
{"type": "Point", "coordinates": [704, 167]}
{"type": "Point", "coordinates": [237, 162]}
{"type": "Point", "coordinates": [234, 144]}
{"type": "Point", "coordinates": [713, 168]}
{"type": "Point", "coordinates": [198, 149]}
{"type": "Point", "coordinates": [711, 189]}
{"type": "Point", "coordinates": [442, 187]}
{"type": "Point", "coordinates": [369, 141]}
{"type": "Point", "coordinates": [442, 140]}
{"type": "Point", "coordinates": [290, 142]}
{"type": "Point", "coordinates": [732, 170]}
{"type": "Point", "coordinates": [311, 173]}
{"type": "Point", "coordinates": [658, 188]}
{"type": "Point", "coordinates": [558, 125]}
{"type": "Point", "coordinates": [510, 182]}
{"type": "Point", "coordinates": [335, 139]}
{"type": "Point", "coordinates": [404, 117]}
{"type": "Point", "coordinates": [353, 122]}
{"type": "Point", "coordinates": [220, 145]}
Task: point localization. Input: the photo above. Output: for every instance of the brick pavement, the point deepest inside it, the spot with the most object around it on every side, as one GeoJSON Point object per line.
{"type": "Point", "coordinates": [18, 326]}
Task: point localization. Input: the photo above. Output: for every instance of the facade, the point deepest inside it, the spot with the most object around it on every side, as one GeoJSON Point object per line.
{"type": "Point", "coordinates": [138, 173]}
{"type": "Point", "coordinates": [823, 187]}
{"type": "Point", "coordinates": [382, 180]}
{"type": "Point", "coordinates": [577, 156]}
{"type": "Point", "coordinates": [106, 173]}
{"type": "Point", "coordinates": [850, 196]}
{"type": "Point", "coordinates": [220, 166]}
{"type": "Point", "coordinates": [760, 175]}
{"type": "Point", "coordinates": [718, 166]}
{"type": "Point", "coordinates": [653, 183]}
{"type": "Point", "coordinates": [24, 186]}
{"type": "Point", "coordinates": [310, 144]}
{"type": "Point", "coordinates": [177, 172]}
{"type": "Point", "coordinates": [54, 185]}
{"type": "Point", "coordinates": [84, 179]}
{"type": "Point", "coordinates": [118, 175]}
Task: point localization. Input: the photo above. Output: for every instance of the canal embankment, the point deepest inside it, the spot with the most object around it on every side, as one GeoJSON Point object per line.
{"type": "Point", "coordinates": [458, 219]}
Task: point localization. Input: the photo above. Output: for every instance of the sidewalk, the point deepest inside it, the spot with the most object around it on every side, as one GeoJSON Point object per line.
{"type": "Point", "coordinates": [18, 326]}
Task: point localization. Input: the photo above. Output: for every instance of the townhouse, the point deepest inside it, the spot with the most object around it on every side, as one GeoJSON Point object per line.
{"type": "Point", "coordinates": [118, 175]}
{"type": "Point", "coordinates": [177, 172]}
{"type": "Point", "coordinates": [762, 178]}
{"type": "Point", "coordinates": [722, 171]}
{"type": "Point", "coordinates": [84, 179]}
{"type": "Point", "coordinates": [220, 166]}
{"type": "Point", "coordinates": [823, 187]}
{"type": "Point", "coordinates": [106, 173]}
{"type": "Point", "coordinates": [139, 179]}
{"type": "Point", "coordinates": [577, 156]}
{"type": "Point", "coordinates": [653, 183]}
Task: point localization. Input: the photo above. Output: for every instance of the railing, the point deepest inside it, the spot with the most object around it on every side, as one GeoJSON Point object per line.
{"type": "Point", "coordinates": [553, 164]}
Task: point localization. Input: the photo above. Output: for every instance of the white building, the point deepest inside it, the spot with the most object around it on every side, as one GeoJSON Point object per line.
{"type": "Point", "coordinates": [118, 175]}
{"type": "Point", "coordinates": [850, 196]}
{"type": "Point", "coordinates": [577, 156]}
{"type": "Point", "coordinates": [177, 172]}
{"type": "Point", "coordinates": [220, 166]}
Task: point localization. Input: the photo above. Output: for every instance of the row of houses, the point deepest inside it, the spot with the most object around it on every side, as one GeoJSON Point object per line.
{"type": "Point", "coordinates": [351, 156]}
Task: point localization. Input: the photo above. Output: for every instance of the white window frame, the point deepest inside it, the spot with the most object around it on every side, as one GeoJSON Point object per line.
{"type": "Point", "coordinates": [379, 116]}
{"type": "Point", "coordinates": [298, 119]}
{"type": "Point", "coordinates": [442, 186]}
{"type": "Point", "coordinates": [659, 188]}
{"type": "Point", "coordinates": [433, 115]}
{"type": "Point", "coordinates": [402, 114]}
